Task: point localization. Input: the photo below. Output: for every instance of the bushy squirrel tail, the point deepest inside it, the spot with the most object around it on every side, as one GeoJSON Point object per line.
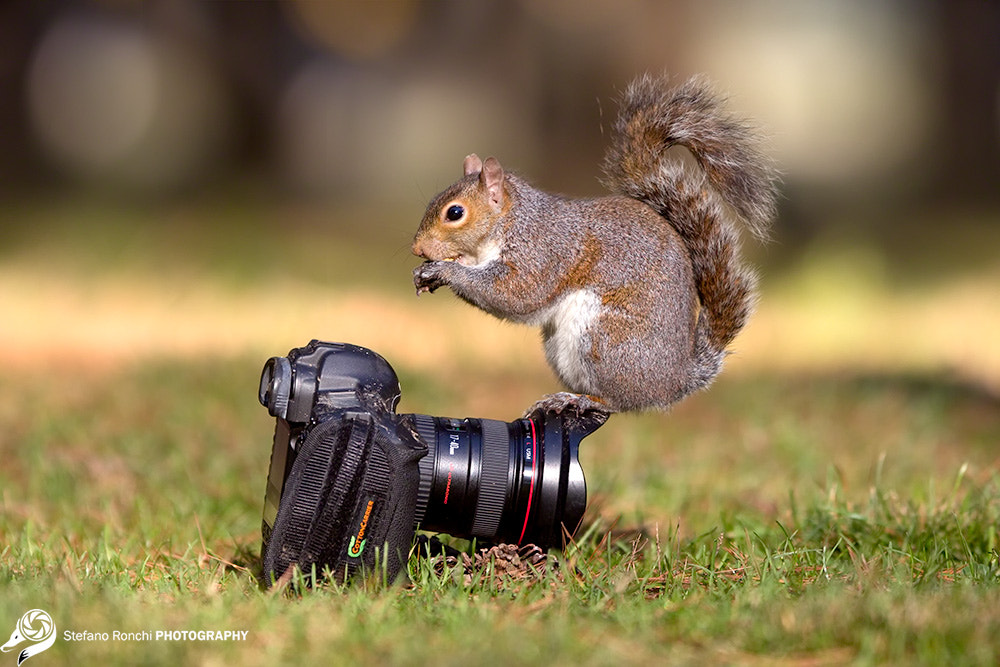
{"type": "Point", "coordinates": [653, 117]}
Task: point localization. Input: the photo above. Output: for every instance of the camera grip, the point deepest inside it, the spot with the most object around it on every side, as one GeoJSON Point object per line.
{"type": "Point", "coordinates": [348, 502]}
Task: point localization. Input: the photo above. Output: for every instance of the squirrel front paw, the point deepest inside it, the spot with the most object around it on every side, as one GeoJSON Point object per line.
{"type": "Point", "coordinates": [567, 401]}
{"type": "Point", "coordinates": [428, 276]}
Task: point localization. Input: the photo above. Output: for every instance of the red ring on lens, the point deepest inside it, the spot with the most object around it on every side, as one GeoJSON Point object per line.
{"type": "Point", "coordinates": [531, 489]}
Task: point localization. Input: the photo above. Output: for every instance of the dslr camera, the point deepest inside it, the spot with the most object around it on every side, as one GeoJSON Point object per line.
{"type": "Point", "coordinates": [351, 481]}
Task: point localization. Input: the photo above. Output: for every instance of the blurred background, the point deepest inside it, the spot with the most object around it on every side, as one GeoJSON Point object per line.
{"type": "Point", "coordinates": [226, 177]}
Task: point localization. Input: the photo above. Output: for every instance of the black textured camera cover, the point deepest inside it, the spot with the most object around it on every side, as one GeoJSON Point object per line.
{"type": "Point", "coordinates": [349, 499]}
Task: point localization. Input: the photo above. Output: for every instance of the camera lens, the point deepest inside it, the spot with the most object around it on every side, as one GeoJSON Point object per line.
{"type": "Point", "coordinates": [515, 482]}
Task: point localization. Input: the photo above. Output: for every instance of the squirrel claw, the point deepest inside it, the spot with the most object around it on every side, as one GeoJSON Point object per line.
{"type": "Point", "coordinates": [565, 401]}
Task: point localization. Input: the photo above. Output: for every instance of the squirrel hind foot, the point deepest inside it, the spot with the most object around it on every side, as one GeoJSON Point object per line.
{"type": "Point", "coordinates": [565, 401]}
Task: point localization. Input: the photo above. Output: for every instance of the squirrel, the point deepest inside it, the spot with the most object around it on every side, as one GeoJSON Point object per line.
{"type": "Point", "coordinates": [637, 293]}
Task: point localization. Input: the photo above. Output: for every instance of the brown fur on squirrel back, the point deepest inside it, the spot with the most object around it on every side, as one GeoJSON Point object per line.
{"type": "Point", "coordinates": [734, 181]}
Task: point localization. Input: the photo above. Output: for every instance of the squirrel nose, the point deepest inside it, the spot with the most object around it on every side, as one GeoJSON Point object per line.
{"type": "Point", "coordinates": [417, 250]}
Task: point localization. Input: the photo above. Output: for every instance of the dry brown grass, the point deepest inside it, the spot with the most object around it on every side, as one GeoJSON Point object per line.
{"type": "Point", "coordinates": [821, 320]}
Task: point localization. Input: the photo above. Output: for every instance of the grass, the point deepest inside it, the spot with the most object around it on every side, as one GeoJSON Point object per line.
{"type": "Point", "coordinates": [807, 513]}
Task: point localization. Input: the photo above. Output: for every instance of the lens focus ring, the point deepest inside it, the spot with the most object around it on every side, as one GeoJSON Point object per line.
{"type": "Point", "coordinates": [493, 481]}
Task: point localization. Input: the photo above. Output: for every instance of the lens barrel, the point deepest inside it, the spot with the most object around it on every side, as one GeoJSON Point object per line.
{"type": "Point", "coordinates": [515, 481]}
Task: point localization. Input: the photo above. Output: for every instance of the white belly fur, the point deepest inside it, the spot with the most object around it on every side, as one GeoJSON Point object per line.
{"type": "Point", "coordinates": [567, 344]}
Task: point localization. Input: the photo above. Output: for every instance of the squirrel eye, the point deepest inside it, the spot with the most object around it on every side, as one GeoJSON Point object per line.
{"type": "Point", "coordinates": [455, 213]}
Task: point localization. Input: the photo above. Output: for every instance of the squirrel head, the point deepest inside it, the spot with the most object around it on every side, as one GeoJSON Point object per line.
{"type": "Point", "coordinates": [463, 223]}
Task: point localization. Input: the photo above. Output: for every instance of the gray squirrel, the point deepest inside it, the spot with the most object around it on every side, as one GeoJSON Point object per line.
{"type": "Point", "coordinates": [638, 293]}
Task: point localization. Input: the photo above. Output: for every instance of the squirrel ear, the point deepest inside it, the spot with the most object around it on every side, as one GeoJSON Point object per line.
{"type": "Point", "coordinates": [491, 178]}
{"type": "Point", "coordinates": [472, 164]}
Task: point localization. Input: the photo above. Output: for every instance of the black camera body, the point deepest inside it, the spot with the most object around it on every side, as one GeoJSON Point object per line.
{"type": "Point", "coordinates": [350, 480]}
